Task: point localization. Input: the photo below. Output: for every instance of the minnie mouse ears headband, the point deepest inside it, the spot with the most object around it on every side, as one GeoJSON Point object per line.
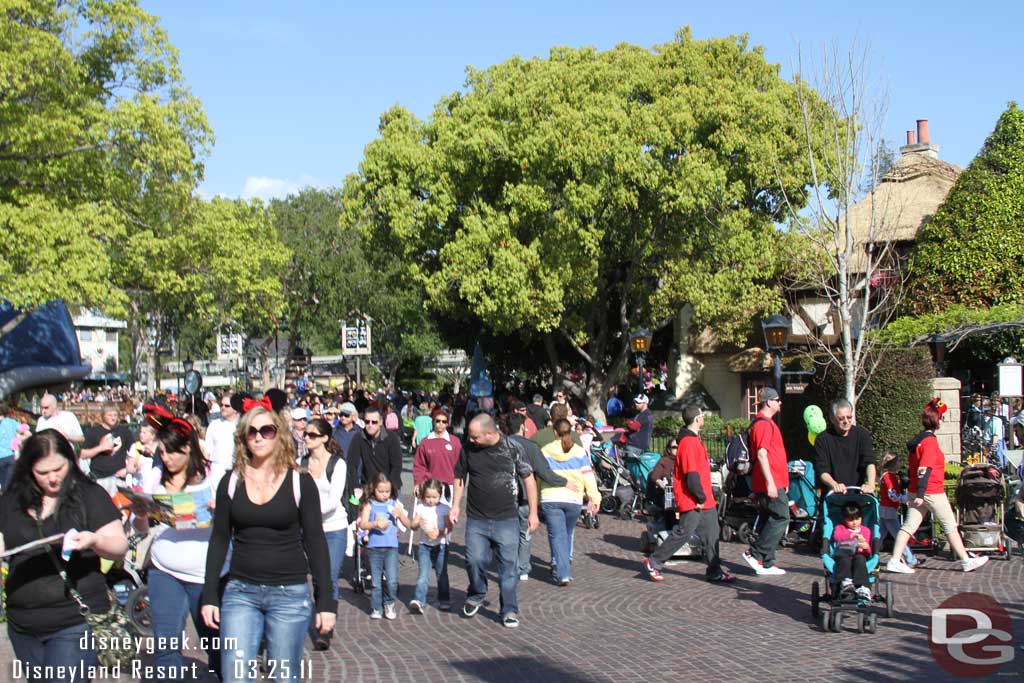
{"type": "Point", "coordinates": [273, 400]}
{"type": "Point", "coordinates": [162, 420]}
{"type": "Point", "coordinates": [938, 406]}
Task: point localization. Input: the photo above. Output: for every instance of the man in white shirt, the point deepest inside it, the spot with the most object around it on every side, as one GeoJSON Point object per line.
{"type": "Point", "coordinates": [220, 437]}
{"type": "Point", "coordinates": [63, 421]}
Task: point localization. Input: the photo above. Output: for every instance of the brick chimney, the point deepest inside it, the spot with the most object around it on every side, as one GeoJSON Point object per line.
{"type": "Point", "coordinates": [923, 144]}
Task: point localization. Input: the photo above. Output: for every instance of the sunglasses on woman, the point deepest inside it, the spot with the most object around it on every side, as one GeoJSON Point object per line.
{"type": "Point", "coordinates": [268, 432]}
{"type": "Point", "coordinates": [311, 435]}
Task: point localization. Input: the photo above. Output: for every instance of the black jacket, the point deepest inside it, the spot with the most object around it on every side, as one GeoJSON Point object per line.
{"type": "Point", "coordinates": [366, 458]}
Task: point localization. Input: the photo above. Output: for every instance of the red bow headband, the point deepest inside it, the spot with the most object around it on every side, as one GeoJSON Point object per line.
{"type": "Point", "coordinates": [248, 404]}
{"type": "Point", "coordinates": [162, 420]}
{"type": "Point", "coordinates": [939, 407]}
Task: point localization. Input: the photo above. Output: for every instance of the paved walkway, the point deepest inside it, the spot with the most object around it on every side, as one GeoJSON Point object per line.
{"type": "Point", "coordinates": [614, 625]}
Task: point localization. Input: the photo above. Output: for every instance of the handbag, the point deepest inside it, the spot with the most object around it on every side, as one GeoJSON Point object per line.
{"type": "Point", "coordinates": [111, 633]}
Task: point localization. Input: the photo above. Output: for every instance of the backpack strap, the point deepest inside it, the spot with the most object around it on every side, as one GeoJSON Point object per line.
{"type": "Point", "coordinates": [331, 465]}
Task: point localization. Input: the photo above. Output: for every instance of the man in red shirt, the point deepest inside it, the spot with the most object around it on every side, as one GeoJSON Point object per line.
{"type": "Point", "coordinates": [770, 482]}
{"type": "Point", "coordinates": [437, 454]}
{"type": "Point", "coordinates": [691, 485]}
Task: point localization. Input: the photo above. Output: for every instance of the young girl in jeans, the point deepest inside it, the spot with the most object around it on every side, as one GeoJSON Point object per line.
{"type": "Point", "coordinates": [890, 496]}
{"type": "Point", "coordinates": [379, 514]}
{"type": "Point", "coordinates": [430, 517]}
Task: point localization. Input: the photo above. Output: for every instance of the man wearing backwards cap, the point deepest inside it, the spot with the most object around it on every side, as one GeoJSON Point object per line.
{"type": "Point", "coordinates": [770, 482]}
{"type": "Point", "coordinates": [640, 438]}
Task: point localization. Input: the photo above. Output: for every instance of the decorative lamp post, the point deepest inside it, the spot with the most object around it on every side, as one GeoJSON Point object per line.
{"type": "Point", "coordinates": [937, 347]}
{"type": "Point", "coordinates": [640, 344]}
{"type": "Point", "coordinates": [776, 339]}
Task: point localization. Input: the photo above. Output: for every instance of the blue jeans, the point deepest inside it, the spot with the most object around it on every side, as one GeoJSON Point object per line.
{"type": "Point", "coordinates": [6, 470]}
{"type": "Point", "coordinates": [336, 544]}
{"type": "Point", "coordinates": [482, 537]}
{"type": "Point", "coordinates": [432, 557]}
{"type": "Point", "coordinates": [59, 649]}
{"type": "Point", "coordinates": [525, 541]}
{"type": "Point", "coordinates": [383, 561]}
{"type": "Point", "coordinates": [889, 525]}
{"type": "Point", "coordinates": [171, 601]}
{"type": "Point", "coordinates": [560, 519]}
{"type": "Point", "coordinates": [251, 613]}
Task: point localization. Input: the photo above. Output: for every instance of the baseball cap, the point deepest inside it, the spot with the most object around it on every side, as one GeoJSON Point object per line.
{"type": "Point", "coordinates": [300, 414]}
{"type": "Point", "coordinates": [641, 398]}
{"type": "Point", "coordinates": [769, 394]}
{"type": "Point", "coordinates": [347, 408]}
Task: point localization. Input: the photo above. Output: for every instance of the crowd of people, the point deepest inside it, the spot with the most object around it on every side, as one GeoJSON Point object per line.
{"type": "Point", "coordinates": [298, 484]}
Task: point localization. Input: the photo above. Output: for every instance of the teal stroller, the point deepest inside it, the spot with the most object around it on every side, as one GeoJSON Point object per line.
{"type": "Point", "coordinates": [839, 605]}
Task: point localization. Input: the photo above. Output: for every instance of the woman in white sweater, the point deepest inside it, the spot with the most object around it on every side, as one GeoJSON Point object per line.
{"type": "Point", "coordinates": [326, 464]}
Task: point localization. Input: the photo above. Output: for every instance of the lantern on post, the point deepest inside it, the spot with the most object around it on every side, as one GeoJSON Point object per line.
{"type": "Point", "coordinates": [776, 339]}
{"type": "Point", "coordinates": [640, 344]}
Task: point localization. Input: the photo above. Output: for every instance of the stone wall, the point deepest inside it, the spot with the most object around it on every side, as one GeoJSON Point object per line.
{"type": "Point", "coordinates": [948, 389]}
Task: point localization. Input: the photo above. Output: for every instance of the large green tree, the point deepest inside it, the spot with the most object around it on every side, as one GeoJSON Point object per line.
{"type": "Point", "coordinates": [99, 138]}
{"type": "Point", "coordinates": [578, 196]}
{"type": "Point", "coordinates": [972, 252]}
{"type": "Point", "coordinates": [216, 267]}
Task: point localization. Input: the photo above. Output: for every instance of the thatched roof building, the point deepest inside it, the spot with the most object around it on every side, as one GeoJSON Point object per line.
{"type": "Point", "coordinates": [905, 199]}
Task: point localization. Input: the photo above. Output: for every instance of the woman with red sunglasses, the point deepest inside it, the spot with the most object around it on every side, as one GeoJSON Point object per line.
{"type": "Point", "coordinates": [270, 512]}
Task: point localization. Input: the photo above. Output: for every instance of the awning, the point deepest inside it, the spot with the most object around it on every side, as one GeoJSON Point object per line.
{"type": "Point", "coordinates": [750, 360]}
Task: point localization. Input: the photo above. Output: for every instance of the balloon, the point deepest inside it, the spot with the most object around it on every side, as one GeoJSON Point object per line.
{"type": "Point", "coordinates": [814, 420]}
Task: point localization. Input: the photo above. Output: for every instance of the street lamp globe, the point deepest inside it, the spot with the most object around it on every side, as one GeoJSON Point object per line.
{"type": "Point", "coordinates": [187, 365]}
{"type": "Point", "coordinates": [640, 340]}
{"type": "Point", "coordinates": [776, 333]}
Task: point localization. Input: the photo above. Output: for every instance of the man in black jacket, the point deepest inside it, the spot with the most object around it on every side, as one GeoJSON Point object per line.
{"type": "Point", "coordinates": [843, 453]}
{"type": "Point", "coordinates": [374, 450]}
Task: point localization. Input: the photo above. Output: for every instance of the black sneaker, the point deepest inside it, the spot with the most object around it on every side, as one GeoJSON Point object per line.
{"type": "Point", "coordinates": [470, 609]}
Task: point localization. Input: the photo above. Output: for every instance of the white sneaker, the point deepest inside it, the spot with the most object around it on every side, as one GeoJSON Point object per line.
{"type": "Point", "coordinates": [390, 612]}
{"type": "Point", "coordinates": [864, 594]}
{"type": "Point", "coordinates": [754, 563]}
{"type": "Point", "coordinates": [896, 566]}
{"type": "Point", "coordinates": [416, 607]}
{"type": "Point", "coordinates": [524, 577]}
{"type": "Point", "coordinates": [847, 583]}
{"type": "Point", "coordinates": [771, 571]}
{"type": "Point", "coordinates": [972, 563]}
{"type": "Point", "coordinates": [375, 614]}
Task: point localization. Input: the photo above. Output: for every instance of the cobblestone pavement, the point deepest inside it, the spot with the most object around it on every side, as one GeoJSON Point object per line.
{"type": "Point", "coordinates": [613, 624]}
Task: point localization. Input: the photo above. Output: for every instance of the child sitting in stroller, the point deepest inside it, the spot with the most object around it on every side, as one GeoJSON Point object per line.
{"type": "Point", "coordinates": [852, 550]}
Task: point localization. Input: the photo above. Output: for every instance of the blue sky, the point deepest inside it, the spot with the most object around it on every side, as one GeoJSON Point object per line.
{"type": "Point", "coordinates": [294, 89]}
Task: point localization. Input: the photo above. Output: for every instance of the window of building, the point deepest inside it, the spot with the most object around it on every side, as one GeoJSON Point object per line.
{"type": "Point", "coordinates": [754, 387]}
{"type": "Point", "coordinates": [85, 335]}
{"type": "Point", "coordinates": [112, 336]}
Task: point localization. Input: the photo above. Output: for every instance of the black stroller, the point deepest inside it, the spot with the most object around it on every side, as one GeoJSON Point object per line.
{"type": "Point", "coordinates": [980, 510]}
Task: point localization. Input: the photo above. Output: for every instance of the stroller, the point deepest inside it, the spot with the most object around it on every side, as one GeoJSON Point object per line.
{"type": "Point", "coordinates": [362, 580]}
{"type": "Point", "coordinates": [803, 494]}
{"type": "Point", "coordinates": [622, 491]}
{"type": "Point", "coordinates": [737, 510]}
{"type": "Point", "coordinates": [831, 619]}
{"type": "Point", "coordinates": [980, 510]}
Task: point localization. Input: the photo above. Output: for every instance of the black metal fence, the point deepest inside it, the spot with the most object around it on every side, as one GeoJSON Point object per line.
{"type": "Point", "coordinates": [715, 442]}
